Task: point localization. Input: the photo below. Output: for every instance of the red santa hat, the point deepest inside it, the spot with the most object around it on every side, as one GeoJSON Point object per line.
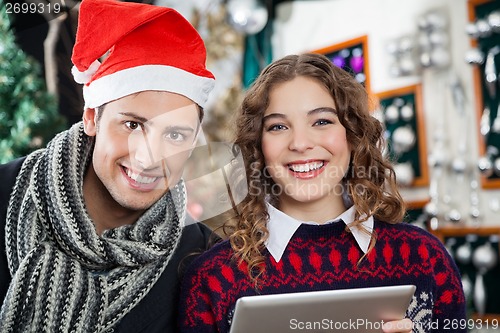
{"type": "Point", "coordinates": [150, 48]}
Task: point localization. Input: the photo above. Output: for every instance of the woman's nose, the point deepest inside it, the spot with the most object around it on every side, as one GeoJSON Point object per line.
{"type": "Point", "coordinates": [300, 141]}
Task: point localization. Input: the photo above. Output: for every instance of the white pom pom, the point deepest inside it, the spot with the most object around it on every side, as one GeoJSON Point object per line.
{"type": "Point", "coordinates": [84, 77]}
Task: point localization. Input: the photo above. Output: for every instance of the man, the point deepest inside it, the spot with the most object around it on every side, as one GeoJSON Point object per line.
{"type": "Point", "coordinates": [92, 228]}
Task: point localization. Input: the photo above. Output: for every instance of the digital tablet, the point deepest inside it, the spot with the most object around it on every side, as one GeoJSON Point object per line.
{"type": "Point", "coordinates": [346, 310]}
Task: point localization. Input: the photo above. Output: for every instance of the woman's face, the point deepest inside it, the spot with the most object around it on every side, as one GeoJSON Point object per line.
{"type": "Point", "coordinates": [304, 144]}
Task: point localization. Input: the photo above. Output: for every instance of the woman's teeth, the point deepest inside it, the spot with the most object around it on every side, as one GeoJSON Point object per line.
{"type": "Point", "coordinates": [305, 167]}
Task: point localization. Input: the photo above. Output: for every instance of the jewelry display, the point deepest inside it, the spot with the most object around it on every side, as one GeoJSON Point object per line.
{"type": "Point", "coordinates": [484, 258]}
{"type": "Point", "coordinates": [402, 117]}
{"type": "Point", "coordinates": [484, 57]}
{"type": "Point", "coordinates": [352, 56]}
{"type": "Point", "coordinates": [476, 253]}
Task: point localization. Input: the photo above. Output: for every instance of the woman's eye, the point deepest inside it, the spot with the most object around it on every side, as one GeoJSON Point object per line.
{"type": "Point", "coordinates": [322, 122]}
{"type": "Point", "coordinates": [133, 125]}
{"type": "Point", "coordinates": [276, 127]}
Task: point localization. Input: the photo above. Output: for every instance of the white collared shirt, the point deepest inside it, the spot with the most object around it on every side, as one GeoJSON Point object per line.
{"type": "Point", "coordinates": [282, 227]}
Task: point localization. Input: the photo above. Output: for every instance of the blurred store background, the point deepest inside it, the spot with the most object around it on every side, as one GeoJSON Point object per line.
{"type": "Point", "coordinates": [431, 66]}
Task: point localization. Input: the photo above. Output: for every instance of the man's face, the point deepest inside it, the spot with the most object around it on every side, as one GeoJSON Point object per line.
{"type": "Point", "coordinates": [142, 142]}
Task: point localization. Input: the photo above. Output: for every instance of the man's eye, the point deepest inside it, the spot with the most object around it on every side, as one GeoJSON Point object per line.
{"type": "Point", "coordinates": [133, 125]}
{"type": "Point", "coordinates": [175, 136]}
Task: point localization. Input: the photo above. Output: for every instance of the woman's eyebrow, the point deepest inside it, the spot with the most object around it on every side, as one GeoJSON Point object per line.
{"type": "Point", "coordinates": [321, 110]}
{"type": "Point", "coordinates": [274, 115]}
{"type": "Point", "coordinates": [309, 113]}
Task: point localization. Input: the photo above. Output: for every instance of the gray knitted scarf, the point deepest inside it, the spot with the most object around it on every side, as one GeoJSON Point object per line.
{"type": "Point", "coordinates": [66, 278]}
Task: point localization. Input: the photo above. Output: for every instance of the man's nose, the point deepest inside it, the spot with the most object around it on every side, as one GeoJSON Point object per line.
{"type": "Point", "coordinates": [148, 152]}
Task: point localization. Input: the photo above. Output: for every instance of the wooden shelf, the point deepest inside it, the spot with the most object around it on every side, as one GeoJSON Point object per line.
{"type": "Point", "coordinates": [461, 231]}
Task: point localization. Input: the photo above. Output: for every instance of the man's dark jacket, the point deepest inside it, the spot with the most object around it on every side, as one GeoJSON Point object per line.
{"type": "Point", "coordinates": [157, 311]}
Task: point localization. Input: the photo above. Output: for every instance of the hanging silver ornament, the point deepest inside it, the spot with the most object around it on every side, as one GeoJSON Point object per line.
{"type": "Point", "coordinates": [407, 65]}
{"type": "Point", "coordinates": [392, 48]}
{"type": "Point", "coordinates": [484, 258]}
{"type": "Point", "coordinates": [438, 38]}
{"type": "Point", "coordinates": [454, 215]}
{"type": "Point", "coordinates": [440, 57]}
{"type": "Point", "coordinates": [403, 139]}
{"type": "Point", "coordinates": [496, 166]}
{"type": "Point", "coordinates": [459, 165]}
{"type": "Point", "coordinates": [485, 166]}
{"type": "Point", "coordinates": [404, 173]}
{"type": "Point", "coordinates": [439, 157]}
{"type": "Point", "coordinates": [247, 16]}
{"type": "Point", "coordinates": [407, 112]}
{"type": "Point", "coordinates": [474, 56]}
{"type": "Point", "coordinates": [471, 30]}
{"type": "Point", "coordinates": [436, 20]}
{"type": "Point", "coordinates": [495, 127]}
{"type": "Point", "coordinates": [431, 209]}
{"type": "Point", "coordinates": [463, 254]}
{"type": "Point", "coordinates": [425, 59]}
{"type": "Point", "coordinates": [494, 20]}
{"type": "Point", "coordinates": [391, 114]}
{"type": "Point", "coordinates": [399, 102]}
{"type": "Point", "coordinates": [483, 28]}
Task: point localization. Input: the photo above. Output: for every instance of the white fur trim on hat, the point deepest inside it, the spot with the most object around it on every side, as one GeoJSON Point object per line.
{"type": "Point", "coordinates": [148, 77]}
{"type": "Point", "coordinates": [85, 76]}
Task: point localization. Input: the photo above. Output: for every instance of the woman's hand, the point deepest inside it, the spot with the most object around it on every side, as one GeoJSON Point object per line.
{"type": "Point", "coordinates": [398, 326]}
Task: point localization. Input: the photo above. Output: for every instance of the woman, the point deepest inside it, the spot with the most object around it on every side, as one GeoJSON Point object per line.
{"type": "Point", "coordinates": [323, 210]}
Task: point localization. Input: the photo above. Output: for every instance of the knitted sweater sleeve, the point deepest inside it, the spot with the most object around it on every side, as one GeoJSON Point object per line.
{"type": "Point", "coordinates": [449, 310]}
{"type": "Point", "coordinates": [204, 290]}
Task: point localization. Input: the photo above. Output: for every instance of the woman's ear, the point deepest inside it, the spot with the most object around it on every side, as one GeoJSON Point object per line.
{"type": "Point", "coordinates": [90, 121]}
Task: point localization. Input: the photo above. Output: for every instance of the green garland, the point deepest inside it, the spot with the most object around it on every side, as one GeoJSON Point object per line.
{"type": "Point", "coordinates": [28, 113]}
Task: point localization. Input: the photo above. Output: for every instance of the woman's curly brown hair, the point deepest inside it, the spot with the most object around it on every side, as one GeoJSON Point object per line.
{"type": "Point", "coordinates": [370, 182]}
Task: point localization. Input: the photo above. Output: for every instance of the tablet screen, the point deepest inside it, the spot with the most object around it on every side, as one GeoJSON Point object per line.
{"type": "Point", "coordinates": [345, 310]}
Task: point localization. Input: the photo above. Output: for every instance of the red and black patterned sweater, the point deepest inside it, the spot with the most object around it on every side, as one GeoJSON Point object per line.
{"type": "Point", "coordinates": [325, 257]}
